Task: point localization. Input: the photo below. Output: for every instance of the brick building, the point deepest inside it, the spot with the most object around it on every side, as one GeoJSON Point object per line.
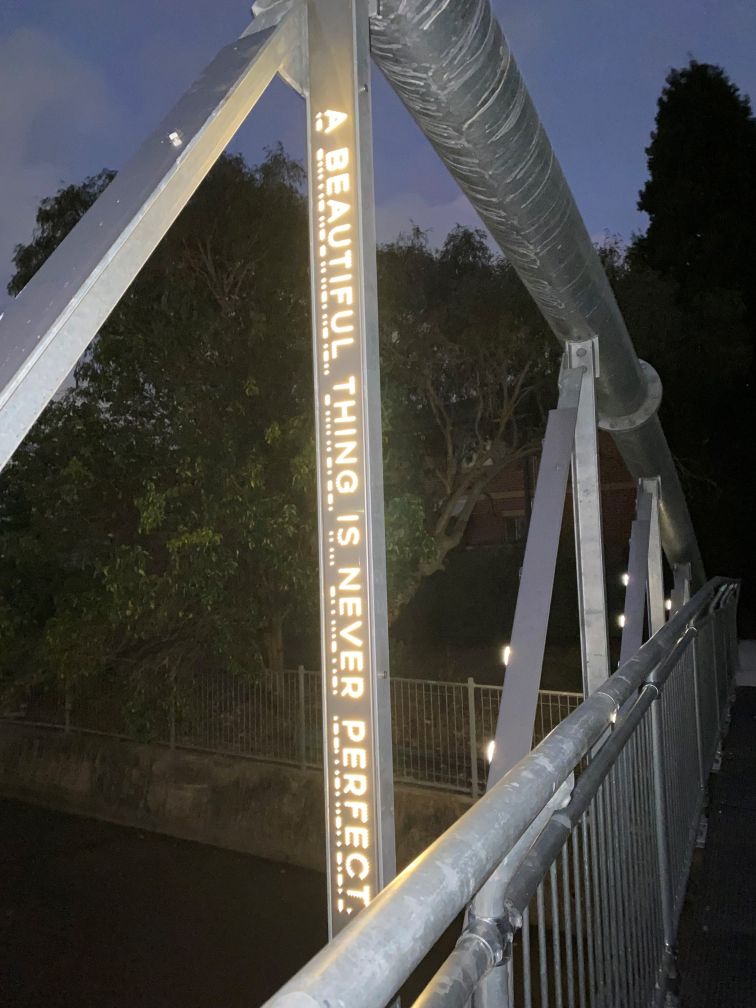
{"type": "Point", "coordinates": [501, 515]}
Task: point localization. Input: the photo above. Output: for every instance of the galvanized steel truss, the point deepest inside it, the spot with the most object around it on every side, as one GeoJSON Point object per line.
{"type": "Point", "coordinates": [450, 65]}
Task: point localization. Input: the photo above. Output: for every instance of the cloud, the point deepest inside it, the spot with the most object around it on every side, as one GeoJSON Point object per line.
{"type": "Point", "coordinates": [51, 104]}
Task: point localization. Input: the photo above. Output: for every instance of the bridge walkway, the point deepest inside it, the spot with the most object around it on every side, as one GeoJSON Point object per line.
{"type": "Point", "coordinates": [718, 930]}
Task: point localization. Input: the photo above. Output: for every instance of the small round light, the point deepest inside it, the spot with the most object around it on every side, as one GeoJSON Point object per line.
{"type": "Point", "coordinates": [621, 620]}
{"type": "Point", "coordinates": [625, 579]}
{"type": "Point", "coordinates": [506, 651]}
{"type": "Point", "coordinates": [490, 749]}
{"type": "Point", "coordinates": [668, 604]}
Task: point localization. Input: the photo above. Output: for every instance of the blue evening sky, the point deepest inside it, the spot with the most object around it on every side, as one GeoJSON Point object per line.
{"type": "Point", "coordinates": [82, 82]}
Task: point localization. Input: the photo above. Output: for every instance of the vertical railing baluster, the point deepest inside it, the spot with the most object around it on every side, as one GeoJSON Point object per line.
{"type": "Point", "coordinates": [302, 722]}
{"type": "Point", "coordinates": [473, 737]}
{"type": "Point", "coordinates": [662, 828]}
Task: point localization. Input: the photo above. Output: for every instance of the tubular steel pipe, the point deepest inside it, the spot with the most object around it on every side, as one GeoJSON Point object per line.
{"type": "Point", "coordinates": [450, 64]}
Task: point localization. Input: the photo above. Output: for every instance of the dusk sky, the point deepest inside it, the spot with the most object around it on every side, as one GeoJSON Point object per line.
{"type": "Point", "coordinates": [82, 82]}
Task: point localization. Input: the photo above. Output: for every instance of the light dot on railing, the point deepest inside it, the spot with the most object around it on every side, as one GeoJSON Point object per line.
{"type": "Point", "coordinates": [490, 750]}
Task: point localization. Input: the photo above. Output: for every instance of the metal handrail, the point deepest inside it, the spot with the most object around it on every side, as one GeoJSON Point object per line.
{"type": "Point", "coordinates": [368, 961]}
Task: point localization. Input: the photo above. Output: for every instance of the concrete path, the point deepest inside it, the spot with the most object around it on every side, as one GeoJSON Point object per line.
{"type": "Point", "coordinates": [718, 930]}
{"type": "Point", "coordinates": [747, 672]}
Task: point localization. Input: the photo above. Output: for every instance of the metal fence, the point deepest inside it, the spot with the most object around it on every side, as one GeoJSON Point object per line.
{"type": "Point", "coordinates": [580, 877]}
{"type": "Point", "coordinates": [441, 730]}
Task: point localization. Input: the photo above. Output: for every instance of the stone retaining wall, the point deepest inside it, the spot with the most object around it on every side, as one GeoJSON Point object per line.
{"type": "Point", "coordinates": [268, 810]}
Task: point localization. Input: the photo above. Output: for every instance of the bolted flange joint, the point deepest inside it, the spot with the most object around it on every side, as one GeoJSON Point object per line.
{"type": "Point", "coordinates": [494, 933]}
{"type": "Point", "coordinates": [645, 411]}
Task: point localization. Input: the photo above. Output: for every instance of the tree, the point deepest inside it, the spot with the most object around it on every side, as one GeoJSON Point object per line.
{"type": "Point", "coordinates": [158, 518]}
{"type": "Point", "coordinates": [464, 356]}
{"type": "Point", "coordinates": [699, 351]}
{"type": "Point", "coordinates": [701, 200]}
{"type": "Point", "coordinates": [700, 196]}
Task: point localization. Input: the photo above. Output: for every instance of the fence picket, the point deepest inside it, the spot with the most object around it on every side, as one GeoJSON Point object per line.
{"type": "Point", "coordinates": [440, 729]}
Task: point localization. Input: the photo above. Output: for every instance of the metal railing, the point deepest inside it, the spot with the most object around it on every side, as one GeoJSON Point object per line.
{"type": "Point", "coordinates": [441, 730]}
{"type": "Point", "coordinates": [588, 877]}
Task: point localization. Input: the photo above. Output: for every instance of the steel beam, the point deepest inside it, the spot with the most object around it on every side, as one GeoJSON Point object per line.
{"type": "Point", "coordinates": [354, 621]}
{"type": "Point", "coordinates": [50, 324]}
{"type": "Point", "coordinates": [655, 576]}
{"type": "Point", "coordinates": [519, 701]}
{"type": "Point", "coordinates": [452, 67]}
{"type": "Point", "coordinates": [681, 589]}
{"type": "Point", "coordinates": [586, 498]}
{"type": "Point", "coordinates": [637, 570]}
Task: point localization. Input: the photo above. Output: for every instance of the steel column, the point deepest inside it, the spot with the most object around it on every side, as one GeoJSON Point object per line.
{"type": "Point", "coordinates": [50, 324]}
{"type": "Point", "coordinates": [519, 701]}
{"type": "Point", "coordinates": [681, 589]}
{"type": "Point", "coordinates": [586, 497]}
{"type": "Point", "coordinates": [354, 622]}
{"type": "Point", "coordinates": [637, 570]}
{"type": "Point", "coordinates": [655, 582]}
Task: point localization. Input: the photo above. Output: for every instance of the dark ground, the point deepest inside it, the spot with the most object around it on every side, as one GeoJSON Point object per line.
{"type": "Point", "coordinates": [718, 930]}
{"type": "Point", "coordinates": [101, 916]}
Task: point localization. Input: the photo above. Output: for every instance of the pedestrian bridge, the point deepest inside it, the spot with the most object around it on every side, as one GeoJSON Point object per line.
{"type": "Point", "coordinates": [572, 868]}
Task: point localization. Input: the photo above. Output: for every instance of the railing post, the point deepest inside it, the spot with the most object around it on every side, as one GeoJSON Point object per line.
{"type": "Point", "coordinates": [586, 498]}
{"type": "Point", "coordinates": [662, 831]}
{"type": "Point", "coordinates": [699, 715]}
{"type": "Point", "coordinates": [302, 726]}
{"type": "Point", "coordinates": [655, 576]}
{"type": "Point", "coordinates": [473, 736]}
{"type": "Point", "coordinates": [172, 719]}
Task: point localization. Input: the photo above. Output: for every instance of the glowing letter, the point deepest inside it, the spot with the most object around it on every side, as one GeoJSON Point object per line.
{"type": "Point", "coordinates": [337, 160]}
{"type": "Point", "coordinates": [348, 537]}
{"type": "Point", "coordinates": [352, 687]}
{"type": "Point", "coordinates": [337, 184]}
{"type": "Point", "coordinates": [351, 661]}
{"type": "Point", "coordinates": [347, 634]}
{"type": "Point", "coordinates": [363, 894]}
{"type": "Point", "coordinates": [328, 121]}
{"type": "Point", "coordinates": [350, 606]}
{"type": "Point", "coordinates": [355, 730]}
{"type": "Point", "coordinates": [336, 321]}
{"type": "Point", "coordinates": [338, 209]}
{"type": "Point", "coordinates": [347, 482]}
{"type": "Point", "coordinates": [334, 241]}
{"type": "Point", "coordinates": [363, 863]}
{"type": "Point", "coordinates": [349, 574]}
{"type": "Point", "coordinates": [354, 758]}
{"type": "Point", "coordinates": [358, 809]}
{"type": "Point", "coordinates": [355, 784]}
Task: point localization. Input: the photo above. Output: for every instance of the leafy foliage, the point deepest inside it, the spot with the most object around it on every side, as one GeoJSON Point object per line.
{"type": "Point", "coordinates": [160, 517]}
{"type": "Point", "coordinates": [689, 289]}
{"type": "Point", "coordinates": [700, 195]}
{"type": "Point", "coordinates": [464, 357]}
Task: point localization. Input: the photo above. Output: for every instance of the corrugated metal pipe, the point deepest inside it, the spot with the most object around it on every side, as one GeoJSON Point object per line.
{"type": "Point", "coordinates": [450, 64]}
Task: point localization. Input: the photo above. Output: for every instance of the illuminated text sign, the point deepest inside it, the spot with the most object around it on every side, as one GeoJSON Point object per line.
{"type": "Point", "coordinates": [358, 767]}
